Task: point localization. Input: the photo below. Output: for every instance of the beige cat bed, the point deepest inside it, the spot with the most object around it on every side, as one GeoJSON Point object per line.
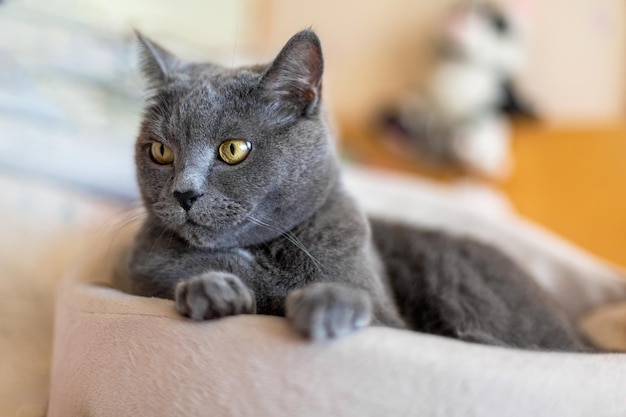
{"type": "Point", "coordinates": [121, 355]}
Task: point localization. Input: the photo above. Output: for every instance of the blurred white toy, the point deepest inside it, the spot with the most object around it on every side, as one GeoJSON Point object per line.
{"type": "Point", "coordinates": [459, 120]}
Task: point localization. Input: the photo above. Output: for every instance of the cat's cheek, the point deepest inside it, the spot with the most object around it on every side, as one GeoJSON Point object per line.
{"type": "Point", "coordinates": [152, 196]}
{"type": "Point", "coordinates": [155, 183]}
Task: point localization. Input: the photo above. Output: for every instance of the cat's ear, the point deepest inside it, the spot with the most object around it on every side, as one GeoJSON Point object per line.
{"type": "Point", "coordinates": [294, 79]}
{"type": "Point", "coordinates": [157, 65]}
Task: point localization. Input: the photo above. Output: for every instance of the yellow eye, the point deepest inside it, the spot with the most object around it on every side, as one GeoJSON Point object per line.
{"type": "Point", "coordinates": [234, 151]}
{"type": "Point", "coordinates": [161, 154]}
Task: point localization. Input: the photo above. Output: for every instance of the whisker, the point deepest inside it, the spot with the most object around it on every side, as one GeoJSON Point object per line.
{"type": "Point", "coordinates": [294, 241]}
{"type": "Point", "coordinates": [123, 217]}
{"type": "Point", "coordinates": [156, 241]}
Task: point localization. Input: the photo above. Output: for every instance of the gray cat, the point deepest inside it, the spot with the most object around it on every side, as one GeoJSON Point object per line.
{"type": "Point", "coordinates": [247, 213]}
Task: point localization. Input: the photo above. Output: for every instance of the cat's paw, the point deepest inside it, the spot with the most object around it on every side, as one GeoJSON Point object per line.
{"type": "Point", "coordinates": [213, 295]}
{"type": "Point", "coordinates": [326, 311]}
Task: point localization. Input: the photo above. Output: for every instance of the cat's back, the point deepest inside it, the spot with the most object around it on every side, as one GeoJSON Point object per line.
{"type": "Point", "coordinates": [459, 287]}
{"type": "Point", "coordinates": [440, 261]}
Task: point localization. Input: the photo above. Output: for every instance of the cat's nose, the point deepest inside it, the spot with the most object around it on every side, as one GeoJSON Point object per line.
{"type": "Point", "coordinates": [187, 198]}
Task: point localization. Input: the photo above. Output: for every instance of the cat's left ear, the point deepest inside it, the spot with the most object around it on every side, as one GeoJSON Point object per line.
{"type": "Point", "coordinates": [294, 79]}
{"type": "Point", "coordinates": [157, 65]}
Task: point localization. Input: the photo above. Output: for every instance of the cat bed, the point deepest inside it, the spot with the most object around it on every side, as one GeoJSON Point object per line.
{"type": "Point", "coordinates": [120, 355]}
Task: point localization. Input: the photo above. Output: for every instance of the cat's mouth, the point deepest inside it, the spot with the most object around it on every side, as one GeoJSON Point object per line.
{"type": "Point", "coordinates": [192, 222]}
{"type": "Point", "coordinates": [216, 222]}
{"type": "Point", "coordinates": [204, 225]}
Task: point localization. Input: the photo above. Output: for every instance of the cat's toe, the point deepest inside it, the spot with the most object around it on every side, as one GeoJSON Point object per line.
{"type": "Point", "coordinates": [328, 311]}
{"type": "Point", "coordinates": [213, 295]}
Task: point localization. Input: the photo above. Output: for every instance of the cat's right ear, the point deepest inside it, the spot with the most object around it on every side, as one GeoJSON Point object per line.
{"type": "Point", "coordinates": [157, 65]}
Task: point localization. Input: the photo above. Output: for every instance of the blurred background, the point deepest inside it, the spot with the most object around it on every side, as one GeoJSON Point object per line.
{"type": "Point", "coordinates": [71, 97]}
{"type": "Point", "coordinates": [70, 93]}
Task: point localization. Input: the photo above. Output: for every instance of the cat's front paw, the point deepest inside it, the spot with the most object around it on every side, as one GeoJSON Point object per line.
{"type": "Point", "coordinates": [326, 311]}
{"type": "Point", "coordinates": [213, 295]}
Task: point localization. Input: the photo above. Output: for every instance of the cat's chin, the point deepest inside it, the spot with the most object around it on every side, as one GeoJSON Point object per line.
{"type": "Point", "coordinates": [225, 237]}
{"type": "Point", "coordinates": [200, 237]}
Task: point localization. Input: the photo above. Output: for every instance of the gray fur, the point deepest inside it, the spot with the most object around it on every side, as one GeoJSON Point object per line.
{"type": "Point", "coordinates": [277, 234]}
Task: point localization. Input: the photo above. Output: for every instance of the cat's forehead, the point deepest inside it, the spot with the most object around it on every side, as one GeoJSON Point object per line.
{"type": "Point", "coordinates": [222, 75]}
{"type": "Point", "coordinates": [211, 81]}
{"type": "Point", "coordinates": [205, 98]}
{"type": "Point", "coordinates": [202, 86]}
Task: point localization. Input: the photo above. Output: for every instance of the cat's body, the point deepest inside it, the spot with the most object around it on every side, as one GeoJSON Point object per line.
{"type": "Point", "coordinates": [247, 213]}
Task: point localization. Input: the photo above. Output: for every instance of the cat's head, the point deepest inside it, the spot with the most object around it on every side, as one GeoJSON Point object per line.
{"type": "Point", "coordinates": [233, 157]}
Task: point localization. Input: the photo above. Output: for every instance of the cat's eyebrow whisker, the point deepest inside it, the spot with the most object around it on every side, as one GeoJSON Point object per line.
{"type": "Point", "coordinates": [294, 240]}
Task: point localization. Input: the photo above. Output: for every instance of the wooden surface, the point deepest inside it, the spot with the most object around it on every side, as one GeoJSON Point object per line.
{"type": "Point", "coordinates": [571, 180]}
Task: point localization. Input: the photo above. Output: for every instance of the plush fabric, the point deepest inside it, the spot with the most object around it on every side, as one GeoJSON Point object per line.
{"type": "Point", "coordinates": [121, 355]}
{"type": "Point", "coordinates": [41, 229]}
